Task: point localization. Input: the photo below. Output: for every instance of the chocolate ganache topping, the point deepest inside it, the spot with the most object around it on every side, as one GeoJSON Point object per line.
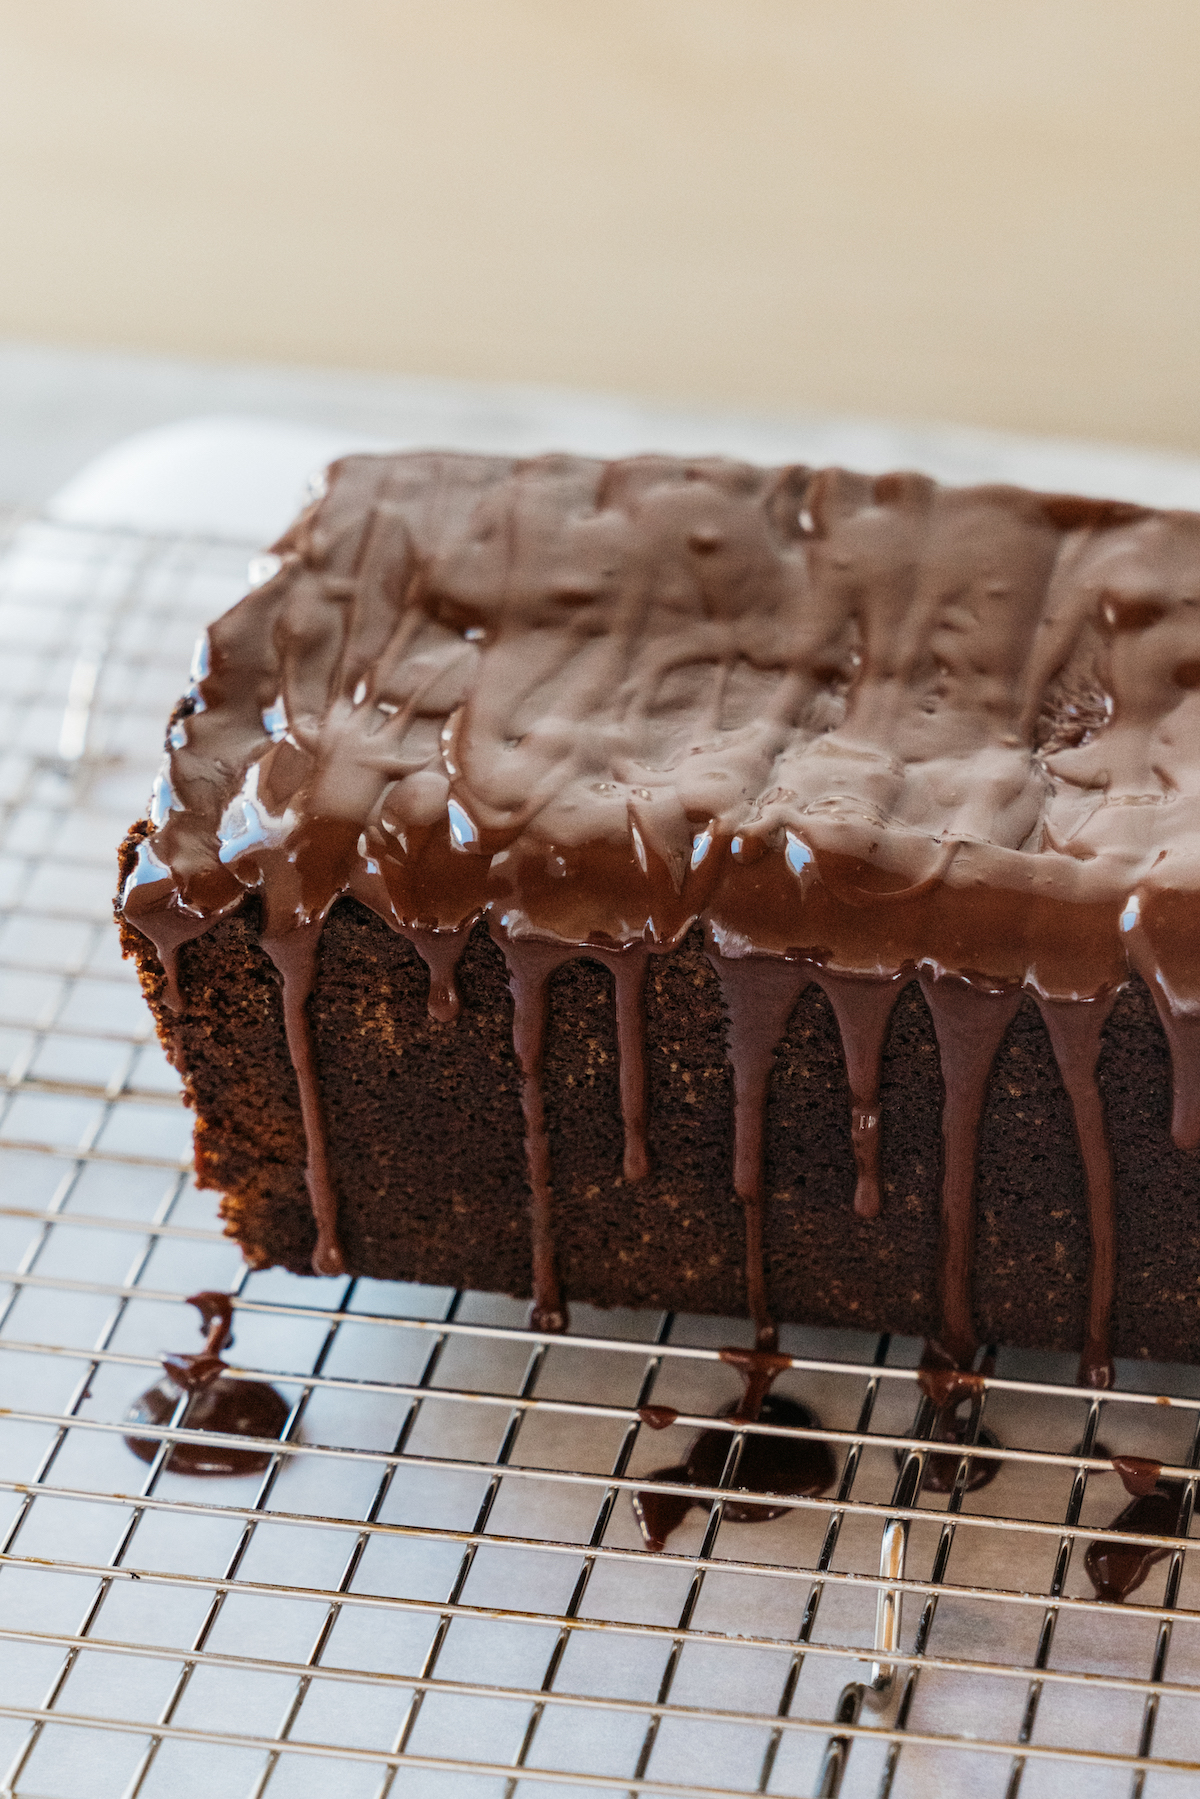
{"type": "Point", "coordinates": [864, 729]}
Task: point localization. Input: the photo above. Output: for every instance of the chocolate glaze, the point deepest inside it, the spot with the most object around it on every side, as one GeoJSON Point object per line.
{"type": "Point", "coordinates": [945, 1382]}
{"type": "Point", "coordinates": [758, 1369]}
{"type": "Point", "coordinates": [1074, 1031]}
{"type": "Point", "coordinates": [759, 998]}
{"type": "Point", "coordinates": [1118, 1569]}
{"type": "Point", "coordinates": [766, 1464]}
{"type": "Point", "coordinates": [216, 1320]}
{"type": "Point", "coordinates": [216, 1401]}
{"type": "Point", "coordinates": [970, 1024]}
{"type": "Point", "coordinates": [295, 956]}
{"type": "Point", "coordinates": [863, 1009]}
{"type": "Point", "coordinates": [949, 1387]}
{"type": "Point", "coordinates": [628, 968]}
{"type": "Point", "coordinates": [658, 1417]}
{"type": "Point", "coordinates": [864, 728]}
{"type": "Point", "coordinates": [530, 966]}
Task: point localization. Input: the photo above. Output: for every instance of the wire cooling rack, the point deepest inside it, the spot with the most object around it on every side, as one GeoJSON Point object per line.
{"type": "Point", "coordinates": [437, 1586]}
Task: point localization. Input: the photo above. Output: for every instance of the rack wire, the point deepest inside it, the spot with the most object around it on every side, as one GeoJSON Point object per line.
{"type": "Point", "coordinates": [437, 1586]}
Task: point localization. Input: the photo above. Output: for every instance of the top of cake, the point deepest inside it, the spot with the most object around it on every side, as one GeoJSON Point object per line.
{"type": "Point", "coordinates": [874, 722]}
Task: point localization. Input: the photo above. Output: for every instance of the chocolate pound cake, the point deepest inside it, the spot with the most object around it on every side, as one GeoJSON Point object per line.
{"type": "Point", "coordinates": [691, 885]}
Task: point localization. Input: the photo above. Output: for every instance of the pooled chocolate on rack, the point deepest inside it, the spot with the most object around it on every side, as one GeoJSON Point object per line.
{"type": "Point", "coordinates": [212, 1399]}
{"type": "Point", "coordinates": [685, 884]}
{"type": "Point", "coordinates": [770, 1464]}
{"type": "Point", "coordinates": [1156, 1506]}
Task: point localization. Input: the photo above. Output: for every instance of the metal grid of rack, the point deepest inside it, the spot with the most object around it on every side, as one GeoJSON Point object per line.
{"type": "Point", "coordinates": [437, 1585]}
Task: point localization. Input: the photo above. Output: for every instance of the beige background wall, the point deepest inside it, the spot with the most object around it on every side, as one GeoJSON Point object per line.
{"type": "Point", "coordinates": [981, 210]}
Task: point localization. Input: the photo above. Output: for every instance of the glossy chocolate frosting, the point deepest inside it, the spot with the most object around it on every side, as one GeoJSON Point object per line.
{"type": "Point", "coordinates": [863, 728]}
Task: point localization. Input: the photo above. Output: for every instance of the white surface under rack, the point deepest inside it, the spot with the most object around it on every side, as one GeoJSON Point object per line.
{"type": "Point", "coordinates": [437, 1587]}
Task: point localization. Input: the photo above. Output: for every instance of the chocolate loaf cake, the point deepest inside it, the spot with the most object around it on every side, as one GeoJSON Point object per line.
{"type": "Point", "coordinates": [692, 885]}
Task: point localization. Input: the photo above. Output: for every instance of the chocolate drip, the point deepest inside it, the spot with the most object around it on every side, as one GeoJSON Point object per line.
{"type": "Point", "coordinates": [970, 1023]}
{"type": "Point", "coordinates": [946, 1383]}
{"type": "Point", "coordinates": [216, 1320]}
{"type": "Point", "coordinates": [1139, 1475]}
{"type": "Point", "coordinates": [658, 1417]}
{"type": "Point", "coordinates": [530, 965]}
{"type": "Point", "coordinates": [758, 1369]}
{"type": "Point", "coordinates": [629, 982]}
{"type": "Point", "coordinates": [863, 1009]}
{"type": "Point", "coordinates": [155, 910]}
{"type": "Point", "coordinates": [1182, 1031]}
{"type": "Point", "coordinates": [1075, 1029]}
{"type": "Point", "coordinates": [441, 952]}
{"type": "Point", "coordinates": [216, 1401]}
{"type": "Point", "coordinates": [295, 956]}
{"type": "Point", "coordinates": [1159, 930]}
{"type": "Point", "coordinates": [1118, 1569]}
{"type": "Point", "coordinates": [168, 940]}
{"type": "Point", "coordinates": [1181, 1028]}
{"type": "Point", "coordinates": [950, 1387]}
{"type": "Point", "coordinates": [759, 997]}
{"type": "Point", "coordinates": [766, 1465]}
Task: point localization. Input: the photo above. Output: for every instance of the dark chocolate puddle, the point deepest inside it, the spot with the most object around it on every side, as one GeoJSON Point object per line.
{"type": "Point", "coordinates": [216, 1401]}
{"type": "Point", "coordinates": [767, 1464]}
{"type": "Point", "coordinates": [1118, 1569]}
